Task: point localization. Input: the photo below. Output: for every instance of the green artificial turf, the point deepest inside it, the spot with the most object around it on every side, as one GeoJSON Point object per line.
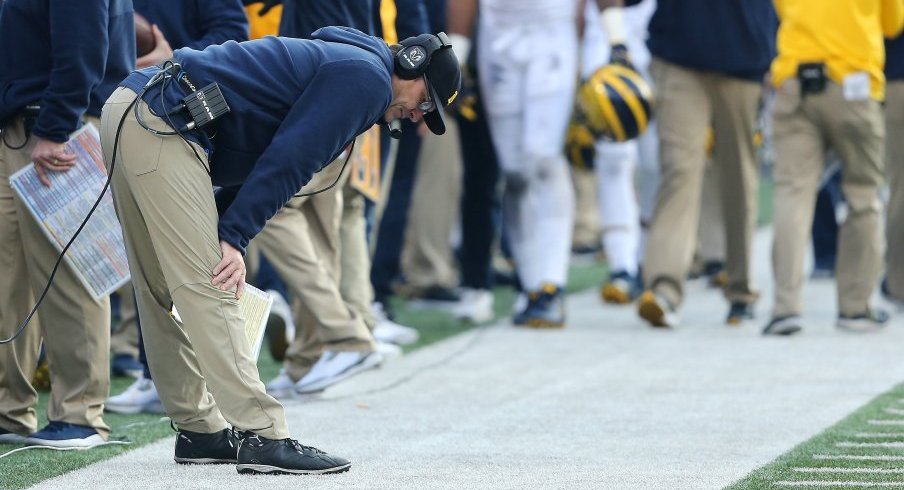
{"type": "Point", "coordinates": [854, 428]}
{"type": "Point", "coordinates": [25, 468]}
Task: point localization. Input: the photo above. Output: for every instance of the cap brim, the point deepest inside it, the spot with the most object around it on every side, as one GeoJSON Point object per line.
{"type": "Point", "coordinates": [435, 120]}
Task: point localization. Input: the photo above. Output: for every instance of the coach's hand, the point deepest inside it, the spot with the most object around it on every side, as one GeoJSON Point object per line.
{"type": "Point", "coordinates": [230, 272]}
{"type": "Point", "coordinates": [50, 156]}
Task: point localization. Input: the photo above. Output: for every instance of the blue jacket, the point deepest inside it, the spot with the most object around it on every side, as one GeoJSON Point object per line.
{"type": "Point", "coordinates": [68, 56]}
{"type": "Point", "coordinates": [196, 24]}
{"type": "Point", "coordinates": [300, 18]}
{"type": "Point", "coordinates": [295, 105]}
{"type": "Point", "coordinates": [732, 37]}
{"type": "Point", "coordinates": [894, 58]}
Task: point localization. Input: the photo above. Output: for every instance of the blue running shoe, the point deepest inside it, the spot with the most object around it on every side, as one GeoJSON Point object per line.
{"type": "Point", "coordinates": [621, 288]}
{"type": "Point", "coordinates": [62, 434]}
{"type": "Point", "coordinates": [545, 309]}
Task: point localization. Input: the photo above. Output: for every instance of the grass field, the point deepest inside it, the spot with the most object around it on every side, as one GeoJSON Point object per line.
{"type": "Point", "coordinates": [25, 468]}
{"type": "Point", "coordinates": [865, 450]}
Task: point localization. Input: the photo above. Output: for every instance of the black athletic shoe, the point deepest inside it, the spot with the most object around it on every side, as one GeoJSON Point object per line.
{"type": "Point", "coordinates": [738, 313]}
{"type": "Point", "coordinates": [783, 325]}
{"type": "Point", "coordinates": [199, 448]}
{"type": "Point", "coordinates": [259, 455]}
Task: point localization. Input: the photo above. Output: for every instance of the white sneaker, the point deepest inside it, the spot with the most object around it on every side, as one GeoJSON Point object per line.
{"type": "Point", "coordinates": [333, 367]}
{"type": "Point", "coordinates": [281, 387]}
{"type": "Point", "coordinates": [388, 350]}
{"type": "Point", "coordinates": [476, 306]}
{"type": "Point", "coordinates": [386, 330]}
{"type": "Point", "coordinates": [140, 397]}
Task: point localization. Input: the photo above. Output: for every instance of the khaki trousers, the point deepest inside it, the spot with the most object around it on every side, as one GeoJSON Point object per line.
{"type": "Point", "coordinates": [75, 327]}
{"type": "Point", "coordinates": [804, 126]}
{"type": "Point", "coordinates": [894, 162]}
{"type": "Point", "coordinates": [587, 220]}
{"type": "Point", "coordinates": [165, 203]}
{"type": "Point", "coordinates": [354, 256]}
{"type": "Point", "coordinates": [689, 102]}
{"type": "Point", "coordinates": [124, 339]}
{"type": "Point", "coordinates": [711, 229]}
{"type": "Point", "coordinates": [427, 255]}
{"type": "Point", "coordinates": [302, 243]}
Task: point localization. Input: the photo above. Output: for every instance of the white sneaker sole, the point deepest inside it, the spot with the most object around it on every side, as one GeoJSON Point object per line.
{"type": "Point", "coordinates": [90, 441]}
{"type": "Point", "coordinates": [11, 439]}
{"type": "Point", "coordinates": [316, 386]}
{"type": "Point", "coordinates": [274, 470]}
{"type": "Point", "coordinates": [203, 461]}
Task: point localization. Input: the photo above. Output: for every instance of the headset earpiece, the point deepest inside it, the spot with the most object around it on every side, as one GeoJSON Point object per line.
{"type": "Point", "coordinates": [413, 59]}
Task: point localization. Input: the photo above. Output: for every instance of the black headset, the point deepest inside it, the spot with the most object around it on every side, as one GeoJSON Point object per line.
{"type": "Point", "coordinates": [413, 59]}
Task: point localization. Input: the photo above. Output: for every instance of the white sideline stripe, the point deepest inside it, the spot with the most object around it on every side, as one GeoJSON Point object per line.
{"type": "Point", "coordinates": [885, 422]}
{"type": "Point", "coordinates": [870, 444]}
{"type": "Point", "coordinates": [819, 483]}
{"type": "Point", "coordinates": [878, 434]}
{"type": "Point", "coordinates": [894, 411]}
{"type": "Point", "coordinates": [857, 457]}
{"type": "Point", "coordinates": [887, 471]}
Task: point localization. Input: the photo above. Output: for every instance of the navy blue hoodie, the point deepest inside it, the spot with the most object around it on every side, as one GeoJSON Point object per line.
{"type": "Point", "coordinates": [296, 104]}
{"type": "Point", "coordinates": [733, 37]}
{"type": "Point", "coordinates": [196, 24]}
{"type": "Point", "coordinates": [66, 55]}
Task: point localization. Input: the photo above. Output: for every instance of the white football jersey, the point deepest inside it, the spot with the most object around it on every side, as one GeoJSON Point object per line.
{"type": "Point", "coordinates": [528, 11]}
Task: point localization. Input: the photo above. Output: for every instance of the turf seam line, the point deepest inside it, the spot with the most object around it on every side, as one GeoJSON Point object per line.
{"type": "Point", "coordinates": [858, 457]}
{"type": "Point", "coordinates": [823, 469]}
{"type": "Point", "coordinates": [108, 443]}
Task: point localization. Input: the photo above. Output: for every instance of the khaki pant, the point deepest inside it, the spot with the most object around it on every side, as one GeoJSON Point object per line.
{"type": "Point", "coordinates": [711, 229]}
{"type": "Point", "coordinates": [124, 339]}
{"type": "Point", "coordinates": [894, 162]}
{"type": "Point", "coordinates": [75, 327]}
{"type": "Point", "coordinates": [164, 200]}
{"type": "Point", "coordinates": [354, 257]}
{"type": "Point", "coordinates": [587, 220]}
{"type": "Point", "coordinates": [427, 255]}
{"type": "Point", "coordinates": [302, 243]}
{"type": "Point", "coordinates": [688, 103]}
{"type": "Point", "coordinates": [804, 126]}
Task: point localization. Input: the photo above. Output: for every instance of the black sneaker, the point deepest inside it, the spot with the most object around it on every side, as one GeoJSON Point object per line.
{"type": "Point", "coordinates": [199, 448]}
{"type": "Point", "coordinates": [783, 325]}
{"type": "Point", "coordinates": [739, 312]}
{"type": "Point", "coordinates": [871, 321]}
{"type": "Point", "coordinates": [259, 455]}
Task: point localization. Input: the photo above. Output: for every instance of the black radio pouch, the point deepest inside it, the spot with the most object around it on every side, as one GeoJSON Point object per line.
{"type": "Point", "coordinates": [812, 78]}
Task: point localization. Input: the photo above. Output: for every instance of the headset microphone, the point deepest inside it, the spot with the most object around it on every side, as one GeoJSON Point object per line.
{"type": "Point", "coordinates": [395, 129]}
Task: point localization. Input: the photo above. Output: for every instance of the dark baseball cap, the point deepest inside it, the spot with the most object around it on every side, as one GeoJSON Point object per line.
{"type": "Point", "coordinates": [444, 80]}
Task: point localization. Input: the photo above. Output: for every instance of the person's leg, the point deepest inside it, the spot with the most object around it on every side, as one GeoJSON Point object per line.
{"type": "Point", "coordinates": [711, 229]}
{"type": "Point", "coordinates": [894, 158]}
{"type": "Point", "coordinates": [586, 229]}
{"type": "Point", "coordinates": [354, 257]}
{"type": "Point", "coordinates": [683, 109]}
{"type": "Point", "coordinates": [427, 256]}
{"type": "Point", "coordinates": [825, 226]}
{"type": "Point", "coordinates": [735, 110]}
{"type": "Point", "coordinates": [479, 200]}
{"type": "Point", "coordinates": [174, 246]}
{"type": "Point", "coordinates": [391, 230]}
{"type": "Point", "coordinates": [799, 159]}
{"type": "Point", "coordinates": [856, 130]}
{"type": "Point", "coordinates": [75, 327]}
{"type": "Point", "coordinates": [311, 280]}
{"type": "Point", "coordinates": [124, 340]}
{"type": "Point", "coordinates": [18, 359]}
{"type": "Point", "coordinates": [614, 165]}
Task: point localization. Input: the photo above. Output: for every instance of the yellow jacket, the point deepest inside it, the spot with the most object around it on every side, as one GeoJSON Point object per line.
{"type": "Point", "coordinates": [846, 35]}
